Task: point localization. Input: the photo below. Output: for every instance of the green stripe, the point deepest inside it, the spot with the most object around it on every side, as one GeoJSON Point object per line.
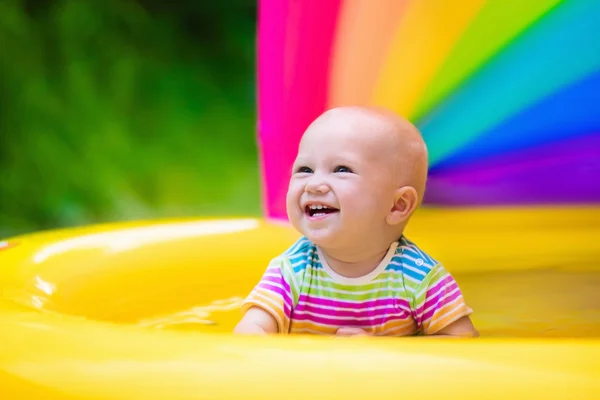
{"type": "Point", "coordinates": [560, 48]}
{"type": "Point", "coordinates": [288, 274]}
{"type": "Point", "coordinates": [498, 23]}
{"type": "Point", "coordinates": [437, 273]}
{"type": "Point", "coordinates": [321, 276]}
{"type": "Point", "coordinates": [328, 294]}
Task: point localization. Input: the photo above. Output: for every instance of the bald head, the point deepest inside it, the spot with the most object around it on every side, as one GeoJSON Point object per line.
{"type": "Point", "coordinates": [398, 142]}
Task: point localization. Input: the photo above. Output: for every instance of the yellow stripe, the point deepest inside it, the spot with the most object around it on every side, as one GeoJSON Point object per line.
{"type": "Point", "coordinates": [450, 313]}
{"type": "Point", "coordinates": [300, 325]}
{"type": "Point", "coordinates": [427, 34]}
{"type": "Point", "coordinates": [409, 328]}
{"type": "Point", "coordinates": [269, 296]}
{"type": "Point", "coordinates": [270, 303]}
{"type": "Point", "coordinates": [497, 24]}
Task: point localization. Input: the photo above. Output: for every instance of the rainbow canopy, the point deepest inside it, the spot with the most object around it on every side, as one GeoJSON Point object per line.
{"type": "Point", "coordinates": [505, 92]}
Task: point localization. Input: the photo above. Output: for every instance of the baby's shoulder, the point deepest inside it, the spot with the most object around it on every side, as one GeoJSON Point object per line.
{"type": "Point", "coordinates": [300, 247]}
{"type": "Point", "coordinates": [412, 261]}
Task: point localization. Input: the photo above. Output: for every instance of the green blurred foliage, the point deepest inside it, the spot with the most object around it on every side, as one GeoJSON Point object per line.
{"type": "Point", "coordinates": [121, 109]}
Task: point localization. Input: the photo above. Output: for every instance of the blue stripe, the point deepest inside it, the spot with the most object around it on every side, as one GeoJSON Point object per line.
{"type": "Point", "coordinates": [570, 112]}
{"type": "Point", "coordinates": [302, 242]}
{"type": "Point", "coordinates": [298, 257]}
{"type": "Point", "coordinates": [400, 268]}
{"type": "Point", "coordinates": [305, 264]}
{"type": "Point", "coordinates": [561, 48]}
{"type": "Point", "coordinates": [425, 267]}
{"type": "Point", "coordinates": [411, 246]}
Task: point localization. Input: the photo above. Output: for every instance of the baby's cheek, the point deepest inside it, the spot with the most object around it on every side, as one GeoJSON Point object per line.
{"type": "Point", "coordinates": [360, 216]}
{"type": "Point", "coordinates": [370, 203]}
{"type": "Point", "coordinates": [292, 196]}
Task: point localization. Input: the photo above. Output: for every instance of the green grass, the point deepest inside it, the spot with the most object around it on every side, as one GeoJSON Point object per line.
{"type": "Point", "coordinates": [109, 113]}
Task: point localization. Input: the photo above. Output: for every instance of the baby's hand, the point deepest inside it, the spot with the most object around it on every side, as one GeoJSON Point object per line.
{"type": "Point", "coordinates": [352, 332]}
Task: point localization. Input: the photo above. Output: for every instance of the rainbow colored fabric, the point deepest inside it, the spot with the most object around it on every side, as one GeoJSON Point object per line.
{"type": "Point", "coordinates": [406, 294]}
{"type": "Point", "coordinates": [505, 92]}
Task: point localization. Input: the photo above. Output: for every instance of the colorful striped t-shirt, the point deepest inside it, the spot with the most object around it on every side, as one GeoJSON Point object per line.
{"type": "Point", "coordinates": [408, 293]}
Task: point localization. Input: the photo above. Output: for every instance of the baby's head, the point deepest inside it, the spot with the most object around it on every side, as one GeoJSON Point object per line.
{"type": "Point", "coordinates": [359, 175]}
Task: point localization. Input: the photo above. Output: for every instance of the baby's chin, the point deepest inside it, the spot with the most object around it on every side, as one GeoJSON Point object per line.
{"type": "Point", "coordinates": [327, 237]}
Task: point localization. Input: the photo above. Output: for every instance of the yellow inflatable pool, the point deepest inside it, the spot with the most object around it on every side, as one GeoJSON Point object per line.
{"type": "Point", "coordinates": [144, 310]}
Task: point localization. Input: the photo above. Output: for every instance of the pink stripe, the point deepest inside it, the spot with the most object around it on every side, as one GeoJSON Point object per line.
{"type": "Point", "coordinates": [287, 294]}
{"type": "Point", "coordinates": [274, 270]}
{"type": "Point", "coordinates": [274, 279]}
{"type": "Point", "coordinates": [288, 290]}
{"type": "Point", "coordinates": [430, 297]}
{"type": "Point", "coordinates": [287, 310]}
{"type": "Point", "coordinates": [434, 298]}
{"type": "Point", "coordinates": [266, 285]}
{"type": "Point", "coordinates": [295, 40]}
{"type": "Point", "coordinates": [272, 20]}
{"type": "Point", "coordinates": [319, 301]}
{"type": "Point", "coordinates": [438, 285]}
{"type": "Point", "coordinates": [429, 314]}
{"type": "Point", "coordinates": [262, 299]}
{"type": "Point", "coordinates": [277, 279]}
{"type": "Point", "coordinates": [358, 313]}
{"type": "Point", "coordinates": [364, 323]}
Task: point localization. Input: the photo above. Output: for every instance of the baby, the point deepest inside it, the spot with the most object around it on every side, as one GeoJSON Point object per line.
{"type": "Point", "coordinates": [359, 174]}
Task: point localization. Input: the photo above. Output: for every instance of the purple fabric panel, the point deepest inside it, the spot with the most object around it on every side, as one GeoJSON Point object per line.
{"type": "Point", "coordinates": [558, 173]}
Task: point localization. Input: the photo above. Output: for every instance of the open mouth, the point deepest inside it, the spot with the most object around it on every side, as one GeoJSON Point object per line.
{"type": "Point", "coordinates": [319, 210]}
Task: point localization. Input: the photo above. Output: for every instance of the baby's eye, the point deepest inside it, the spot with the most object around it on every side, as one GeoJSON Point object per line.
{"type": "Point", "coordinates": [342, 168]}
{"type": "Point", "coordinates": [303, 170]}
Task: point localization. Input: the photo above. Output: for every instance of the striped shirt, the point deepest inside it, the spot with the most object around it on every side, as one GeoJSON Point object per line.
{"type": "Point", "coordinates": [409, 293]}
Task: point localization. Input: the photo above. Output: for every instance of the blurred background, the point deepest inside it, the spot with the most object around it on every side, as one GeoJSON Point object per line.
{"type": "Point", "coordinates": [120, 110]}
{"type": "Point", "coordinates": [132, 109]}
{"type": "Point", "coordinates": [126, 109]}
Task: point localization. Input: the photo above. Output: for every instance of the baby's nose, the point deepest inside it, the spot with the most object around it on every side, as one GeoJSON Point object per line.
{"type": "Point", "coordinates": [316, 186]}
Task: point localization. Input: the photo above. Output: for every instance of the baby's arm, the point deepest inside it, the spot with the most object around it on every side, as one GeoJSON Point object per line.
{"type": "Point", "coordinates": [256, 321]}
{"type": "Point", "coordinates": [267, 309]}
{"type": "Point", "coordinates": [463, 327]}
{"type": "Point", "coordinates": [440, 307]}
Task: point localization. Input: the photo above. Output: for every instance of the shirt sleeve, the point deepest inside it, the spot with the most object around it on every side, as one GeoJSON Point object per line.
{"type": "Point", "coordinates": [439, 301]}
{"type": "Point", "coordinates": [273, 294]}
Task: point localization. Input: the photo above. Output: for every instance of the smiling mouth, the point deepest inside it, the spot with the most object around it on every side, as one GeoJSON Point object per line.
{"type": "Point", "coordinates": [319, 210]}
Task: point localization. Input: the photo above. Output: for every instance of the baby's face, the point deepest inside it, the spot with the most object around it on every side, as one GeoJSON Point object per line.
{"type": "Point", "coordinates": [342, 184]}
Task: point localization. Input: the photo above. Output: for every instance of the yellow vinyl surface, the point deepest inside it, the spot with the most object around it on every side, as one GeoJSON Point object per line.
{"type": "Point", "coordinates": [145, 310]}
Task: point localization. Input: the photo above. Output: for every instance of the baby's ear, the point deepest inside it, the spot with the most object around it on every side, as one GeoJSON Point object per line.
{"type": "Point", "coordinates": [406, 200]}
